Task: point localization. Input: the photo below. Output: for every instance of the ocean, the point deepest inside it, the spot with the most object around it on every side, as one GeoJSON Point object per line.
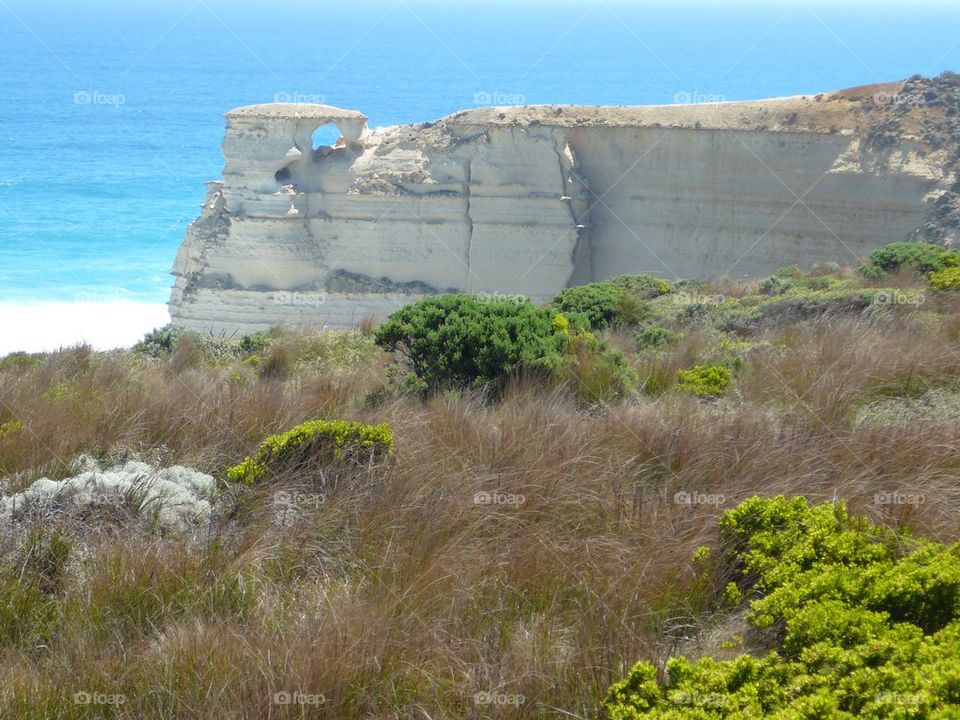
{"type": "Point", "coordinates": [111, 112]}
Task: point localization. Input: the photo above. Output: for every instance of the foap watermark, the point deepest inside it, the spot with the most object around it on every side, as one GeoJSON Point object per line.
{"type": "Point", "coordinates": [693, 298]}
{"type": "Point", "coordinates": [297, 500]}
{"type": "Point", "coordinates": [299, 299]}
{"type": "Point", "coordinates": [98, 497]}
{"type": "Point", "coordinates": [896, 497]}
{"type": "Point", "coordinates": [486, 498]}
{"type": "Point", "coordinates": [701, 700]}
{"type": "Point", "coordinates": [903, 699]}
{"type": "Point", "coordinates": [685, 497]}
{"type": "Point", "coordinates": [891, 98]}
{"type": "Point", "coordinates": [95, 97]}
{"type": "Point", "coordinates": [297, 96]}
{"type": "Point", "coordinates": [298, 698]}
{"type": "Point", "coordinates": [485, 297]}
{"type": "Point", "coordinates": [98, 698]}
{"type": "Point", "coordinates": [497, 98]}
{"type": "Point", "coordinates": [695, 97]}
{"type": "Point", "coordinates": [496, 698]}
{"type": "Point", "coordinates": [896, 297]}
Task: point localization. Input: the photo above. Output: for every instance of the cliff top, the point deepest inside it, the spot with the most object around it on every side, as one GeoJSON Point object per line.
{"type": "Point", "coordinates": [851, 109]}
{"type": "Point", "coordinates": [909, 108]}
{"type": "Point", "coordinates": [795, 113]}
{"type": "Point", "coordinates": [296, 111]}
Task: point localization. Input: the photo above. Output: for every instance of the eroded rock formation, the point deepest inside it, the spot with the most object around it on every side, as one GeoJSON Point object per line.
{"type": "Point", "coordinates": [532, 199]}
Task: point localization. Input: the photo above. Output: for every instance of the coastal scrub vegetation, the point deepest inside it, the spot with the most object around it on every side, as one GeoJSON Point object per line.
{"type": "Point", "coordinates": [489, 508]}
{"type": "Point", "coordinates": [315, 442]}
{"type": "Point", "coordinates": [918, 257]}
{"type": "Point", "coordinates": [857, 620]}
{"type": "Point", "coordinates": [704, 380]}
{"type": "Point", "coordinates": [461, 340]}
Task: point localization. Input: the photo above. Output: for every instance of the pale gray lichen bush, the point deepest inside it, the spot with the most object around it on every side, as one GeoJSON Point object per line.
{"type": "Point", "coordinates": [177, 498]}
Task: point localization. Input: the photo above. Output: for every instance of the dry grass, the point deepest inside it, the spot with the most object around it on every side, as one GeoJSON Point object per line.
{"type": "Point", "coordinates": [398, 594]}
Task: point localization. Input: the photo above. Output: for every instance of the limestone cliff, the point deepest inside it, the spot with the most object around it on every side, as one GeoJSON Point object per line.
{"type": "Point", "coordinates": [532, 199]}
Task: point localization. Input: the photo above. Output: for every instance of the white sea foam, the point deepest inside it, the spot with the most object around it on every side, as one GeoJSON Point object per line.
{"type": "Point", "coordinates": [36, 327]}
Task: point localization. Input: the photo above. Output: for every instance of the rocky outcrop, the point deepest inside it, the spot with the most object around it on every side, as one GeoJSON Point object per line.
{"type": "Point", "coordinates": [528, 200]}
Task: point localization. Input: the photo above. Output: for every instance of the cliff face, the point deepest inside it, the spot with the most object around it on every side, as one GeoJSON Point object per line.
{"type": "Point", "coordinates": [528, 200]}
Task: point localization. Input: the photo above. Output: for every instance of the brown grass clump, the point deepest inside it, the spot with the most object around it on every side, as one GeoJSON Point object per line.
{"type": "Point", "coordinates": [512, 560]}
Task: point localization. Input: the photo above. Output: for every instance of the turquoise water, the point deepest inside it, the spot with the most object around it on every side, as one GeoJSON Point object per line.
{"type": "Point", "coordinates": [111, 114]}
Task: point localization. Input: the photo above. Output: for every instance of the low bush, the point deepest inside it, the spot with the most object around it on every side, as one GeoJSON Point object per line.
{"type": "Point", "coordinates": [11, 427]}
{"type": "Point", "coordinates": [636, 311]}
{"type": "Point", "coordinates": [159, 342]}
{"type": "Point", "coordinates": [314, 442]}
{"type": "Point", "coordinates": [753, 312]}
{"type": "Point", "coordinates": [598, 373]}
{"type": "Point", "coordinates": [922, 258]}
{"type": "Point", "coordinates": [816, 282]}
{"type": "Point", "coordinates": [865, 623]}
{"type": "Point", "coordinates": [947, 279]}
{"type": "Point", "coordinates": [254, 344]}
{"type": "Point", "coordinates": [644, 287]}
{"type": "Point", "coordinates": [774, 285]}
{"type": "Point", "coordinates": [460, 341]}
{"type": "Point", "coordinates": [20, 362]}
{"type": "Point", "coordinates": [655, 337]}
{"type": "Point", "coordinates": [599, 303]}
{"type": "Point", "coordinates": [186, 348]}
{"type": "Point", "coordinates": [622, 300]}
{"type": "Point", "coordinates": [704, 380]}
{"type": "Point", "coordinates": [791, 277]}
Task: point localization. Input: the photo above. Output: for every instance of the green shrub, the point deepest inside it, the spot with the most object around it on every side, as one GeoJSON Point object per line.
{"type": "Point", "coordinates": [20, 362]}
{"type": "Point", "coordinates": [635, 311]}
{"type": "Point", "coordinates": [789, 271]}
{"type": "Point", "coordinates": [641, 286]}
{"type": "Point", "coordinates": [826, 268]}
{"type": "Point", "coordinates": [456, 340]}
{"type": "Point", "coordinates": [751, 313]}
{"type": "Point", "coordinates": [599, 303]}
{"type": "Point", "coordinates": [922, 258]}
{"type": "Point", "coordinates": [947, 279]}
{"type": "Point", "coordinates": [11, 427]}
{"type": "Point", "coordinates": [254, 344]}
{"type": "Point", "coordinates": [865, 624]}
{"type": "Point", "coordinates": [314, 441]}
{"type": "Point", "coordinates": [704, 380]}
{"type": "Point", "coordinates": [655, 337]}
{"type": "Point", "coordinates": [598, 373]}
{"type": "Point", "coordinates": [339, 349]}
{"type": "Point", "coordinates": [186, 348]}
{"type": "Point", "coordinates": [792, 278]}
{"type": "Point", "coordinates": [950, 258]}
{"type": "Point", "coordinates": [784, 279]}
{"type": "Point", "coordinates": [774, 285]}
{"type": "Point", "coordinates": [696, 313]}
{"type": "Point", "coordinates": [160, 341]}
{"type": "Point", "coordinates": [815, 282]}
{"type": "Point", "coordinates": [873, 272]}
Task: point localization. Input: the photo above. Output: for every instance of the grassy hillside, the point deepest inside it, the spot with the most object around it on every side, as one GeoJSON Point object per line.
{"type": "Point", "coordinates": [520, 543]}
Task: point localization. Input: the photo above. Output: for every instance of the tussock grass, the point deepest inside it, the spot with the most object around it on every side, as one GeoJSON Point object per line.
{"type": "Point", "coordinates": [531, 547]}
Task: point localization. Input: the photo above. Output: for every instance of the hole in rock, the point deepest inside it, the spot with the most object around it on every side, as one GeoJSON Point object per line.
{"type": "Point", "coordinates": [283, 175]}
{"type": "Point", "coordinates": [325, 136]}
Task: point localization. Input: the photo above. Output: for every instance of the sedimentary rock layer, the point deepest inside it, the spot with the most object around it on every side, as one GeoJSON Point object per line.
{"type": "Point", "coordinates": [528, 200]}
